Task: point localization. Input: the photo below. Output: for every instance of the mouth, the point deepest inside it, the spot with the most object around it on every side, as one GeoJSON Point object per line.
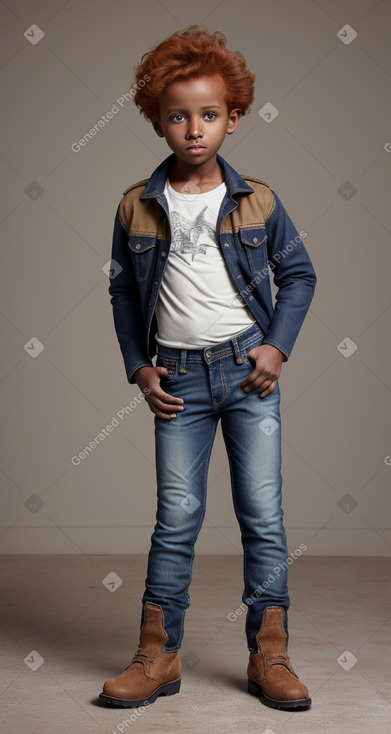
{"type": "Point", "coordinates": [196, 147]}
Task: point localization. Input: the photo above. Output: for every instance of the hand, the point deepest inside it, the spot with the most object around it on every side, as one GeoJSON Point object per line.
{"type": "Point", "coordinates": [268, 362]}
{"type": "Point", "coordinates": [161, 403]}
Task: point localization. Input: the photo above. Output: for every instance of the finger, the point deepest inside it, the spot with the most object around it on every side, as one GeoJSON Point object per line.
{"type": "Point", "coordinates": [254, 380]}
{"type": "Point", "coordinates": [162, 410]}
{"type": "Point", "coordinates": [158, 394]}
{"type": "Point", "coordinates": [164, 405]}
{"type": "Point", "coordinates": [170, 399]}
{"type": "Point", "coordinates": [250, 378]}
{"type": "Point", "coordinates": [261, 384]}
{"type": "Point", "coordinates": [164, 416]}
{"type": "Point", "coordinates": [268, 390]}
{"type": "Point", "coordinates": [258, 379]}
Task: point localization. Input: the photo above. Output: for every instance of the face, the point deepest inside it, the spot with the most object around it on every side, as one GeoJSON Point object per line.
{"type": "Point", "coordinates": [194, 118]}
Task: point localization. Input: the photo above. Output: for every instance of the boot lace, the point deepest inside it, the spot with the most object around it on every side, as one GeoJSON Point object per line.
{"type": "Point", "coordinates": [140, 654]}
{"type": "Point", "coordinates": [277, 659]}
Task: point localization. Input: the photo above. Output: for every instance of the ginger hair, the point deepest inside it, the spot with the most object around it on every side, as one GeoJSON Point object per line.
{"type": "Point", "coordinates": [188, 54]}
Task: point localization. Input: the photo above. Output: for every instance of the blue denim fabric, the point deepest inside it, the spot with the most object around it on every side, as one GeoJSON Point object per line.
{"type": "Point", "coordinates": [209, 380]}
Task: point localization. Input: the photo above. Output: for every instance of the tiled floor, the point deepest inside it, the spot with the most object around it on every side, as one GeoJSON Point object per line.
{"type": "Point", "coordinates": [56, 609]}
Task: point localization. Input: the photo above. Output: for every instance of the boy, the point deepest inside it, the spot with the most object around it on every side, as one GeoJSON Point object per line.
{"type": "Point", "coordinates": [195, 243]}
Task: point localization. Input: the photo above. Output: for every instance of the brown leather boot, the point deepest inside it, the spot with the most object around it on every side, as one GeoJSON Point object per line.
{"type": "Point", "coordinates": [152, 672]}
{"type": "Point", "coordinates": [270, 675]}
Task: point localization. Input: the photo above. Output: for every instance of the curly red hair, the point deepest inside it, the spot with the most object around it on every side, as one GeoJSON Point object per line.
{"type": "Point", "coordinates": [191, 53]}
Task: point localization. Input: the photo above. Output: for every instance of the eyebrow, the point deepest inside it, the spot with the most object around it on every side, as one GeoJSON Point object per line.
{"type": "Point", "coordinates": [182, 109]}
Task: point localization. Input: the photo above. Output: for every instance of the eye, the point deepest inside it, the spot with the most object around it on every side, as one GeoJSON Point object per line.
{"type": "Point", "coordinates": [210, 115]}
{"type": "Point", "coordinates": [174, 118]}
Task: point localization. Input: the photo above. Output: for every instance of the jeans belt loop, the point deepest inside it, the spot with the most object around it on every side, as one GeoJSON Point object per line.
{"type": "Point", "coordinates": [182, 368]}
{"type": "Point", "coordinates": [238, 356]}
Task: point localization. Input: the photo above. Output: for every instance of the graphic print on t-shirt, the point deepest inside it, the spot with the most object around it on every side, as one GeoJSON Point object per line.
{"type": "Point", "coordinates": [186, 233]}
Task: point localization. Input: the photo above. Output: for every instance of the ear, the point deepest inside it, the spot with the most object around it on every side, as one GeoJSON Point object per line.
{"type": "Point", "coordinates": [157, 126]}
{"type": "Point", "coordinates": [233, 120]}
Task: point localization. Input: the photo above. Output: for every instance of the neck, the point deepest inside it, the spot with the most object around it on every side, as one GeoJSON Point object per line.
{"type": "Point", "coordinates": [205, 174]}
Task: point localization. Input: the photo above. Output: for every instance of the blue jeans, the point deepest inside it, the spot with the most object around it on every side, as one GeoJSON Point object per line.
{"type": "Point", "coordinates": [209, 381]}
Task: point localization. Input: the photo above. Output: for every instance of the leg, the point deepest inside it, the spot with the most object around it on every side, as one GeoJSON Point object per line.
{"type": "Point", "coordinates": [183, 448]}
{"type": "Point", "coordinates": [252, 433]}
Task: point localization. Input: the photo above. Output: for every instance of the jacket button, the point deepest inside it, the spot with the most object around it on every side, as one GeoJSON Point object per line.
{"type": "Point", "coordinates": [255, 240]}
{"type": "Point", "coordinates": [163, 254]}
{"type": "Point", "coordinates": [226, 244]}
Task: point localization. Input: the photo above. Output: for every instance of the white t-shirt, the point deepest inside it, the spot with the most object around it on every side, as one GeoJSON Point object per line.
{"type": "Point", "coordinates": [198, 303]}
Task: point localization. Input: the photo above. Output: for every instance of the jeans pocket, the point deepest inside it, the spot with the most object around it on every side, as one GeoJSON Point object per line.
{"type": "Point", "coordinates": [257, 343]}
{"type": "Point", "coordinates": [170, 365]}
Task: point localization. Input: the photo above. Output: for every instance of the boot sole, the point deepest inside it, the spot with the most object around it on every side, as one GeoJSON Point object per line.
{"type": "Point", "coordinates": [169, 689]}
{"type": "Point", "coordinates": [299, 704]}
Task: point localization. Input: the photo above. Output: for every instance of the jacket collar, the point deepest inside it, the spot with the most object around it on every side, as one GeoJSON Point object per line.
{"type": "Point", "coordinates": [235, 184]}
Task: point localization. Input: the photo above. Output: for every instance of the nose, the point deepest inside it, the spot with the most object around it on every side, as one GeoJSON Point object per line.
{"type": "Point", "coordinates": [194, 129]}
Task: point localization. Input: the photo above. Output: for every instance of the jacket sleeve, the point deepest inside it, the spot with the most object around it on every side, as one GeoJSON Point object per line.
{"type": "Point", "coordinates": [128, 320]}
{"type": "Point", "coordinates": [293, 275]}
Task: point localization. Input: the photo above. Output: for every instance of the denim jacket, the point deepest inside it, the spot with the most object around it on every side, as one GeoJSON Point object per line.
{"type": "Point", "coordinates": [257, 238]}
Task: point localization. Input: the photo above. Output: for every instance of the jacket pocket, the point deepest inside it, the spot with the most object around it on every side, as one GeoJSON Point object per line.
{"type": "Point", "coordinates": [142, 249]}
{"type": "Point", "coordinates": [254, 241]}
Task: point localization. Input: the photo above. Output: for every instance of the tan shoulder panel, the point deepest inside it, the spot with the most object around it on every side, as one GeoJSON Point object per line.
{"type": "Point", "coordinates": [144, 217]}
{"type": "Point", "coordinates": [136, 185]}
{"type": "Point", "coordinates": [251, 180]}
{"type": "Point", "coordinates": [253, 209]}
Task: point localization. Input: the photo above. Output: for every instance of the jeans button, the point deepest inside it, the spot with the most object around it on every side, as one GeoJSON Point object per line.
{"type": "Point", "coordinates": [208, 353]}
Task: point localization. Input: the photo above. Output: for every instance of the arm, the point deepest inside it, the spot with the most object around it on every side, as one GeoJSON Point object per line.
{"type": "Point", "coordinates": [295, 279]}
{"type": "Point", "coordinates": [128, 320]}
{"type": "Point", "coordinates": [294, 276]}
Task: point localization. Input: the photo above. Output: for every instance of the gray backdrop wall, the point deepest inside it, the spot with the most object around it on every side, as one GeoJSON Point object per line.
{"type": "Point", "coordinates": [319, 133]}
